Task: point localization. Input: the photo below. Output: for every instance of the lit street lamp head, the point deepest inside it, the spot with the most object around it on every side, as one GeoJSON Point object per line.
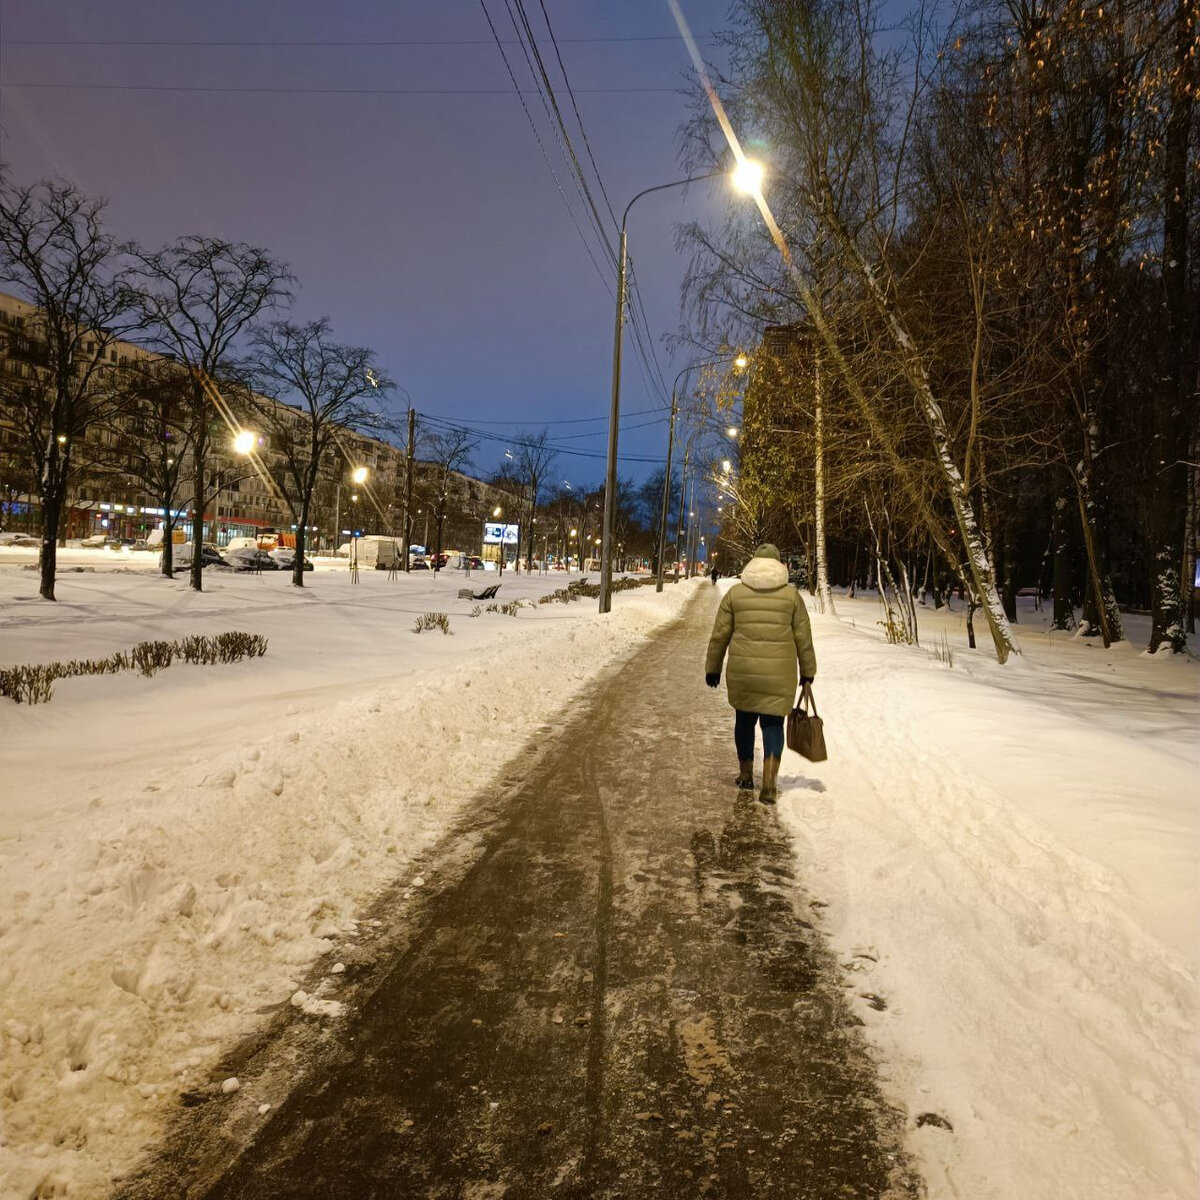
{"type": "Point", "coordinates": [747, 176]}
{"type": "Point", "coordinates": [359, 474]}
{"type": "Point", "coordinates": [741, 362]}
{"type": "Point", "coordinates": [244, 440]}
{"type": "Point", "coordinates": [732, 431]}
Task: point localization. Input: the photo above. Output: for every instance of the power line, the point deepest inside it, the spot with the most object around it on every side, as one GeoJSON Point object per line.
{"type": "Point", "coordinates": [641, 412]}
{"type": "Point", "coordinates": [541, 145]}
{"type": "Point", "coordinates": [318, 91]}
{"type": "Point", "coordinates": [648, 362]}
{"type": "Point", "coordinates": [502, 440]}
{"type": "Point", "coordinates": [638, 308]}
{"type": "Point", "coordinates": [246, 42]}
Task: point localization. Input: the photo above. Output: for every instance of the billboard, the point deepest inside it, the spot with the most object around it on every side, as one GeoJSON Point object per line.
{"type": "Point", "coordinates": [495, 535]}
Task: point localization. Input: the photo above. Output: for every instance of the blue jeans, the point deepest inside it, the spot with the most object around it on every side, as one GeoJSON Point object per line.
{"type": "Point", "coordinates": [743, 734]}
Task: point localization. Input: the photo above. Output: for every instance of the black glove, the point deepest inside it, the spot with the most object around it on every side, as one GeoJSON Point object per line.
{"type": "Point", "coordinates": [805, 679]}
{"type": "Point", "coordinates": [713, 678]}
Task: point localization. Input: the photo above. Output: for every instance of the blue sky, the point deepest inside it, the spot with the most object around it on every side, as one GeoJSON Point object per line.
{"type": "Point", "coordinates": [426, 226]}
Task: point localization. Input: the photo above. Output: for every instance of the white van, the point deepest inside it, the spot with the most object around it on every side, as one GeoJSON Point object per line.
{"type": "Point", "coordinates": [379, 553]}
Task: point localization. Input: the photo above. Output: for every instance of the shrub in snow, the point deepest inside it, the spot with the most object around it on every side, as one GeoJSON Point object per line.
{"type": "Point", "coordinates": [34, 684]}
{"type": "Point", "coordinates": [432, 620]}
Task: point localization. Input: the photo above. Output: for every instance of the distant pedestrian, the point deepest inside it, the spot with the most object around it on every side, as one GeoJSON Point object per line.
{"type": "Point", "coordinates": [714, 575]}
{"type": "Point", "coordinates": [763, 624]}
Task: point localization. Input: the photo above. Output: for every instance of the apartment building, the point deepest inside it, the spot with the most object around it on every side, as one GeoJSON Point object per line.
{"type": "Point", "coordinates": [109, 489]}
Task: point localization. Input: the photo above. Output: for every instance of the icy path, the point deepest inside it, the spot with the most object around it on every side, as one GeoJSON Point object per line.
{"type": "Point", "coordinates": [176, 851]}
{"type": "Point", "coordinates": [1018, 851]}
{"type": "Point", "coordinates": [619, 993]}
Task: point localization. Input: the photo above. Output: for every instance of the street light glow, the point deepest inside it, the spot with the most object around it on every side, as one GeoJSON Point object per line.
{"type": "Point", "coordinates": [244, 440]}
{"type": "Point", "coordinates": [732, 431]}
{"type": "Point", "coordinates": [741, 362]}
{"type": "Point", "coordinates": [359, 474]}
{"type": "Point", "coordinates": [497, 511]}
{"type": "Point", "coordinates": [747, 176]}
{"type": "Point", "coordinates": [726, 466]}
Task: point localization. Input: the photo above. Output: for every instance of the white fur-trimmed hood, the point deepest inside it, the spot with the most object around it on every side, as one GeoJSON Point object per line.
{"type": "Point", "coordinates": [764, 574]}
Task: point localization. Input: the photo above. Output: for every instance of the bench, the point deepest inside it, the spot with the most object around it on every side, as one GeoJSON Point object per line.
{"type": "Point", "coordinates": [488, 593]}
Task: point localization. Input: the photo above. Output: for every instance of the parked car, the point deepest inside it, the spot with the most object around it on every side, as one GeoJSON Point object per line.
{"type": "Point", "coordinates": [209, 556]}
{"type": "Point", "coordinates": [285, 556]}
{"type": "Point", "coordinates": [251, 560]}
{"type": "Point", "coordinates": [419, 564]}
{"type": "Point", "coordinates": [19, 539]}
{"type": "Point", "coordinates": [471, 562]}
{"type": "Point", "coordinates": [95, 542]}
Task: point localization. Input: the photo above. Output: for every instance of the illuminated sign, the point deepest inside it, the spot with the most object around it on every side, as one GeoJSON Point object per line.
{"type": "Point", "coordinates": [495, 534]}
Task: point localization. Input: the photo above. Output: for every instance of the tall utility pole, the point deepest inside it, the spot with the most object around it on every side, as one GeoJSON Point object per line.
{"type": "Point", "coordinates": [610, 487]}
{"type": "Point", "coordinates": [408, 480]}
{"type": "Point", "coordinates": [683, 482]}
{"type": "Point", "coordinates": [662, 524]}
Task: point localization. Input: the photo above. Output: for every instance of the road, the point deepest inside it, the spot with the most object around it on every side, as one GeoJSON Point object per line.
{"type": "Point", "coordinates": [622, 991]}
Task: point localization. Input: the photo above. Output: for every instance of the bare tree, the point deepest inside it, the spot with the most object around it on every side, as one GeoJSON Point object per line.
{"type": "Point", "coordinates": [151, 421]}
{"type": "Point", "coordinates": [198, 296]}
{"type": "Point", "coordinates": [55, 252]}
{"type": "Point", "coordinates": [337, 388]}
{"type": "Point", "coordinates": [535, 461]}
{"type": "Point", "coordinates": [449, 451]}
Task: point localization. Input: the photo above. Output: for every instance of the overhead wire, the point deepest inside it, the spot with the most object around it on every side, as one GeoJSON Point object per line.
{"type": "Point", "coordinates": [542, 148]}
{"type": "Point", "coordinates": [645, 348]}
{"type": "Point", "coordinates": [637, 309]}
{"type": "Point", "coordinates": [648, 363]}
{"type": "Point", "coordinates": [308, 91]}
{"type": "Point", "coordinates": [266, 42]}
{"type": "Point", "coordinates": [566, 421]}
{"type": "Point", "coordinates": [490, 436]}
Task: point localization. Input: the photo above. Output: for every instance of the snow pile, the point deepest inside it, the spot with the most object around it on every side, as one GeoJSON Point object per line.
{"type": "Point", "coordinates": [175, 852]}
{"type": "Point", "coordinates": [1010, 858]}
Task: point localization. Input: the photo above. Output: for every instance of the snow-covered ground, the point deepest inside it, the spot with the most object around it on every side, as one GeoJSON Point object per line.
{"type": "Point", "coordinates": [176, 851]}
{"type": "Point", "coordinates": [1010, 857]}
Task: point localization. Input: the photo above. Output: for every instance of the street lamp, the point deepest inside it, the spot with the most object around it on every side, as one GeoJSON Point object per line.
{"type": "Point", "coordinates": [244, 441]}
{"type": "Point", "coordinates": [359, 475]}
{"type": "Point", "coordinates": [740, 362]}
{"type": "Point", "coordinates": [497, 512]}
{"type": "Point", "coordinates": [745, 179]}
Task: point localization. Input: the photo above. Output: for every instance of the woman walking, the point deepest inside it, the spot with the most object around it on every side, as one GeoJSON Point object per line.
{"type": "Point", "coordinates": [763, 624]}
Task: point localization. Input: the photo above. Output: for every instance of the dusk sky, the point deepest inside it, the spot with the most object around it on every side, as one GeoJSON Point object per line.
{"type": "Point", "coordinates": [425, 225]}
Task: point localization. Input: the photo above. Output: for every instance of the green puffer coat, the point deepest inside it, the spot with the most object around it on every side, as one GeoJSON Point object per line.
{"type": "Point", "coordinates": [763, 623]}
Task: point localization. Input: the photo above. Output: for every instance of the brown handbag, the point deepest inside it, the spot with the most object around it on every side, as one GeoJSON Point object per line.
{"type": "Point", "coordinates": [806, 731]}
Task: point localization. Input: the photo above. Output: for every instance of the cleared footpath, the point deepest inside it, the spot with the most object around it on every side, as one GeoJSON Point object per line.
{"type": "Point", "coordinates": [619, 990]}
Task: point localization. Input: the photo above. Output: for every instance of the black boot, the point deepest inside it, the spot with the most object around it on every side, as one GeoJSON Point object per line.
{"type": "Point", "coordinates": [745, 778]}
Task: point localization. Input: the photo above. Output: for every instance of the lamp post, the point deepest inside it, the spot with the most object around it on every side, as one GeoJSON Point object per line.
{"type": "Point", "coordinates": [244, 442]}
{"type": "Point", "coordinates": [746, 177]}
{"type": "Point", "coordinates": [497, 513]}
{"type": "Point", "coordinates": [741, 362]}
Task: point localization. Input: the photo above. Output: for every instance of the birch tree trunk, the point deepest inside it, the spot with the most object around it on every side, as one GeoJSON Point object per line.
{"type": "Point", "coordinates": [978, 562]}
{"type": "Point", "coordinates": [824, 595]}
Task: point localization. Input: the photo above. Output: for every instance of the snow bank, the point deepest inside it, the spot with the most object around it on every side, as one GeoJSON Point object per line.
{"type": "Point", "coordinates": [175, 852]}
{"type": "Point", "coordinates": [1010, 858]}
